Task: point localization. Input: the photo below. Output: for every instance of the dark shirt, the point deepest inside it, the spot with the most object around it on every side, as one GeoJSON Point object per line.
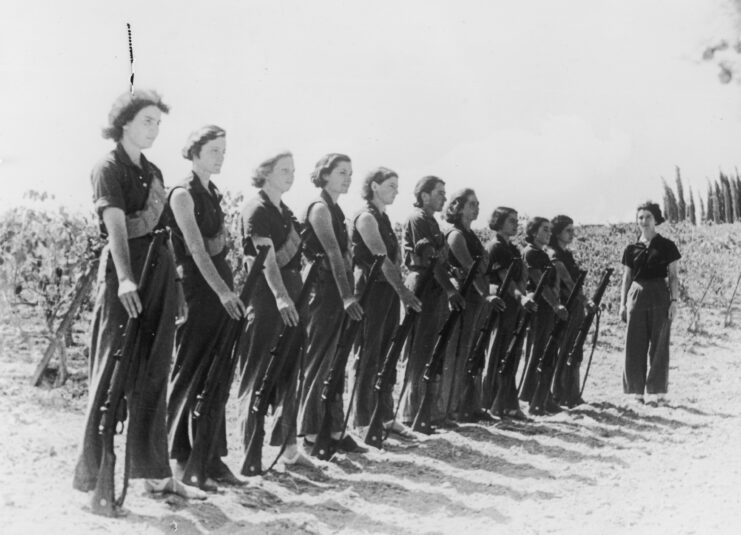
{"type": "Point", "coordinates": [206, 209]}
{"type": "Point", "coordinates": [501, 254]}
{"type": "Point", "coordinates": [361, 254]}
{"type": "Point", "coordinates": [538, 259]}
{"type": "Point", "coordinates": [119, 183]}
{"type": "Point", "coordinates": [418, 226]}
{"type": "Point", "coordinates": [651, 262]}
{"type": "Point", "coordinates": [473, 244]}
{"type": "Point", "coordinates": [312, 245]}
{"type": "Point", "coordinates": [261, 218]}
{"type": "Point", "coordinates": [569, 262]}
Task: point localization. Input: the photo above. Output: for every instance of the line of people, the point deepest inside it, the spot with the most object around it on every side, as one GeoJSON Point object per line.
{"type": "Point", "coordinates": [194, 294]}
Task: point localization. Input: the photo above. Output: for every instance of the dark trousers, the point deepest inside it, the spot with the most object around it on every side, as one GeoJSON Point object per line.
{"type": "Point", "coordinates": [647, 338]}
{"type": "Point", "coordinates": [419, 347]}
{"type": "Point", "coordinates": [537, 338]}
{"type": "Point", "coordinates": [324, 314]}
{"type": "Point", "coordinates": [146, 392]}
{"type": "Point", "coordinates": [379, 322]}
{"type": "Point", "coordinates": [195, 343]}
{"type": "Point", "coordinates": [503, 332]}
{"type": "Point", "coordinates": [455, 377]}
{"type": "Point", "coordinates": [567, 385]}
{"type": "Point", "coordinates": [263, 327]}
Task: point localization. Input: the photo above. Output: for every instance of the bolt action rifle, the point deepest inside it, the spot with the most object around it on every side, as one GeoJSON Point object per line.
{"type": "Point", "coordinates": [506, 397]}
{"type": "Point", "coordinates": [113, 411]}
{"type": "Point", "coordinates": [547, 359]}
{"type": "Point", "coordinates": [281, 355]}
{"type": "Point", "coordinates": [324, 447]}
{"type": "Point", "coordinates": [475, 361]}
{"type": "Point", "coordinates": [434, 365]}
{"type": "Point", "coordinates": [386, 378]}
{"type": "Point", "coordinates": [211, 400]}
{"type": "Point", "coordinates": [574, 358]}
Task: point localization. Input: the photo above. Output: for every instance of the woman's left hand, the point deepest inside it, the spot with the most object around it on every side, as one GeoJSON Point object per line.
{"type": "Point", "coordinates": [182, 314]}
{"type": "Point", "coordinates": [672, 310]}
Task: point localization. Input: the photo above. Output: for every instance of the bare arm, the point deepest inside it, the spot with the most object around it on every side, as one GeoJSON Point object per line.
{"type": "Point", "coordinates": [118, 240]}
{"type": "Point", "coordinates": [627, 280]}
{"type": "Point", "coordinates": [182, 208]}
{"type": "Point", "coordinates": [550, 294]}
{"type": "Point", "coordinates": [368, 229]}
{"type": "Point", "coordinates": [673, 288]}
{"type": "Point", "coordinates": [321, 222]}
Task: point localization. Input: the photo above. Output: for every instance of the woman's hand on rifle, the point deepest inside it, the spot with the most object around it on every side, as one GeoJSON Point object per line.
{"type": "Point", "coordinates": [496, 302]}
{"type": "Point", "coordinates": [232, 304]}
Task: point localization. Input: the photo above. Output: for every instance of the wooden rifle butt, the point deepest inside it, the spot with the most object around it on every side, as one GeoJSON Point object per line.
{"type": "Point", "coordinates": [374, 434]}
{"type": "Point", "coordinates": [252, 464]}
{"type": "Point", "coordinates": [103, 501]}
{"type": "Point", "coordinates": [324, 448]}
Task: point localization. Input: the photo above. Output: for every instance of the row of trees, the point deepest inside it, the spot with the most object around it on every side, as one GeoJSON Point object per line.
{"type": "Point", "coordinates": [721, 205]}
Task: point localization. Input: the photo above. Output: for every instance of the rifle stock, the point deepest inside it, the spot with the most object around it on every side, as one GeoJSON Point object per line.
{"type": "Point", "coordinates": [104, 501]}
{"type": "Point", "coordinates": [506, 397]}
{"type": "Point", "coordinates": [323, 446]}
{"type": "Point", "coordinates": [547, 359]}
{"type": "Point", "coordinates": [385, 379]}
{"type": "Point", "coordinates": [211, 400]}
{"type": "Point", "coordinates": [434, 365]}
{"type": "Point", "coordinates": [280, 354]}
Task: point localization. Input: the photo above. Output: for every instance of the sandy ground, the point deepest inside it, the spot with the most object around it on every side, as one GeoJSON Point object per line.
{"type": "Point", "coordinates": [606, 467]}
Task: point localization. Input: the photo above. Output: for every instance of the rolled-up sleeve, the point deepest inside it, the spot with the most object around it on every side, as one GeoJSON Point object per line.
{"type": "Point", "coordinates": [107, 190]}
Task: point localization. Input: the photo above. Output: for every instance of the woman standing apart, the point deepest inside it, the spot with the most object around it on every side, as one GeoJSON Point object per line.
{"type": "Point", "coordinates": [648, 306]}
{"type": "Point", "coordinates": [330, 298]}
{"type": "Point", "coordinates": [266, 220]}
{"type": "Point", "coordinates": [566, 387]}
{"type": "Point", "coordinates": [130, 199]}
{"type": "Point", "coordinates": [538, 234]}
{"type": "Point", "coordinates": [199, 241]}
{"type": "Point", "coordinates": [373, 235]}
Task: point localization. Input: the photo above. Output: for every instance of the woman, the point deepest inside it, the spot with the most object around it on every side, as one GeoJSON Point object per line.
{"type": "Point", "coordinates": [566, 386]}
{"type": "Point", "coordinates": [331, 297]}
{"type": "Point", "coordinates": [129, 196]}
{"type": "Point", "coordinates": [266, 220]}
{"type": "Point", "coordinates": [502, 253]}
{"type": "Point", "coordinates": [538, 235]}
{"type": "Point", "coordinates": [373, 235]}
{"type": "Point", "coordinates": [463, 248]}
{"type": "Point", "coordinates": [200, 253]}
{"type": "Point", "coordinates": [648, 306]}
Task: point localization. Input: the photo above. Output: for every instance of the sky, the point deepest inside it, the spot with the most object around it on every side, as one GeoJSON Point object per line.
{"type": "Point", "coordinates": [577, 107]}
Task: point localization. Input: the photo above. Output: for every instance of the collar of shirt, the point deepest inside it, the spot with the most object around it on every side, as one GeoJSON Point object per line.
{"type": "Point", "coordinates": [197, 186]}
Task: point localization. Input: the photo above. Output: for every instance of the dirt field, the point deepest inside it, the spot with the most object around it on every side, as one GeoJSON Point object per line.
{"type": "Point", "coordinates": [607, 467]}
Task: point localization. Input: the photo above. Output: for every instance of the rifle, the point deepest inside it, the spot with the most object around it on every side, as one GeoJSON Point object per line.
{"type": "Point", "coordinates": [581, 335]}
{"type": "Point", "coordinates": [386, 378]}
{"type": "Point", "coordinates": [324, 447]}
{"type": "Point", "coordinates": [475, 361]}
{"type": "Point", "coordinates": [113, 410]}
{"type": "Point", "coordinates": [547, 359]}
{"type": "Point", "coordinates": [280, 355]}
{"type": "Point", "coordinates": [211, 401]}
{"type": "Point", "coordinates": [434, 365]}
{"type": "Point", "coordinates": [506, 392]}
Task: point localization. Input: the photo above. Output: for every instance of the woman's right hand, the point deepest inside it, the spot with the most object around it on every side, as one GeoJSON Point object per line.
{"type": "Point", "coordinates": [129, 297]}
{"type": "Point", "coordinates": [562, 313]}
{"type": "Point", "coordinates": [528, 303]}
{"type": "Point", "coordinates": [353, 308]}
{"type": "Point", "coordinates": [410, 300]}
{"type": "Point", "coordinates": [287, 309]}
{"type": "Point", "coordinates": [233, 304]}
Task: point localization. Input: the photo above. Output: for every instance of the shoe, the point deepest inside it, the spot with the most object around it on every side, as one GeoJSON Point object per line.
{"type": "Point", "coordinates": [515, 414]}
{"type": "Point", "coordinates": [173, 486]}
{"type": "Point", "coordinates": [638, 398]}
{"type": "Point", "coordinates": [348, 445]}
{"type": "Point", "coordinates": [399, 429]}
{"type": "Point", "coordinates": [221, 473]}
{"type": "Point", "coordinates": [299, 459]}
{"type": "Point", "coordinates": [484, 416]}
{"type": "Point", "coordinates": [551, 407]}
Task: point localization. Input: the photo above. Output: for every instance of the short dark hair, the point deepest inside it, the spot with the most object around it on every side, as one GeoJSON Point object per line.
{"type": "Point", "coordinates": [425, 185]}
{"type": "Point", "coordinates": [532, 228]}
{"type": "Point", "coordinates": [125, 108]}
{"type": "Point", "coordinates": [499, 216]}
{"type": "Point", "coordinates": [325, 166]}
{"type": "Point", "coordinates": [379, 175]}
{"type": "Point", "coordinates": [558, 224]}
{"type": "Point", "coordinates": [655, 210]}
{"type": "Point", "coordinates": [456, 204]}
{"type": "Point", "coordinates": [261, 172]}
{"type": "Point", "coordinates": [197, 139]}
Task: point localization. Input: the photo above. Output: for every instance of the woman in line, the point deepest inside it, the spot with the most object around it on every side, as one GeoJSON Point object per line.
{"type": "Point", "coordinates": [130, 198]}
{"type": "Point", "coordinates": [373, 234]}
{"type": "Point", "coordinates": [502, 253]}
{"type": "Point", "coordinates": [463, 248]}
{"type": "Point", "coordinates": [566, 387]}
{"type": "Point", "coordinates": [648, 304]}
{"type": "Point", "coordinates": [199, 241]}
{"type": "Point", "coordinates": [266, 220]}
{"type": "Point", "coordinates": [330, 299]}
{"type": "Point", "coordinates": [538, 235]}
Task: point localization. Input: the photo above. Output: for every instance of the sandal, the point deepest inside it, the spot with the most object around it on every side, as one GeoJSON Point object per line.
{"type": "Point", "coordinates": [399, 429]}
